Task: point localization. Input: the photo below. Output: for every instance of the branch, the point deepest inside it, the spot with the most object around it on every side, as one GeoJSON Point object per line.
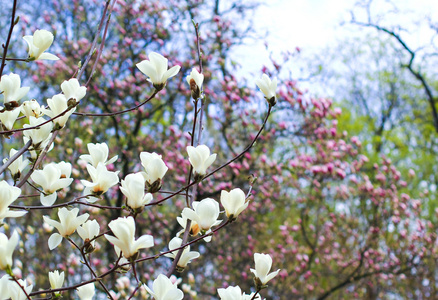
{"type": "Point", "coordinates": [15, 156]}
{"type": "Point", "coordinates": [430, 98]}
{"type": "Point", "coordinates": [8, 40]}
{"type": "Point", "coordinates": [118, 112]}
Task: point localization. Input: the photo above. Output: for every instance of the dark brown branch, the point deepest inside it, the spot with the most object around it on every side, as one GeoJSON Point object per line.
{"type": "Point", "coordinates": [8, 40]}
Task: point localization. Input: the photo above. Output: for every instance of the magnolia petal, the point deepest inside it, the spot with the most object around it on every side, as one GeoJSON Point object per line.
{"type": "Point", "coordinates": [271, 275]}
{"type": "Point", "coordinates": [54, 240]}
{"type": "Point", "coordinates": [171, 72]}
{"type": "Point", "coordinates": [48, 56]}
{"type": "Point", "coordinates": [110, 161]}
{"type": "Point", "coordinates": [22, 92]}
{"type": "Point", "coordinates": [15, 214]}
{"type": "Point", "coordinates": [113, 240]}
{"type": "Point", "coordinates": [51, 222]}
{"type": "Point", "coordinates": [175, 294]}
{"type": "Point", "coordinates": [149, 70]}
{"type": "Point", "coordinates": [190, 214]}
{"type": "Point", "coordinates": [29, 41]}
{"type": "Point", "coordinates": [210, 160]}
{"type": "Point", "coordinates": [48, 200]}
{"type": "Point", "coordinates": [145, 241]}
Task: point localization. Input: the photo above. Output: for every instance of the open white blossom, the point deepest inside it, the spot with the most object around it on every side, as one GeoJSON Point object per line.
{"type": "Point", "coordinates": [32, 108]}
{"type": "Point", "coordinates": [73, 90]}
{"type": "Point", "coordinates": [233, 202]}
{"type": "Point", "coordinates": [39, 136]}
{"type": "Point", "coordinates": [263, 263]}
{"type": "Point", "coordinates": [230, 293]}
{"type": "Point", "coordinates": [51, 178]}
{"type": "Point", "coordinates": [87, 291]}
{"type": "Point", "coordinates": [102, 181]}
{"type": "Point", "coordinates": [155, 169]}
{"type": "Point", "coordinates": [164, 289]}
{"type": "Point", "coordinates": [7, 247]}
{"type": "Point", "coordinates": [8, 194]}
{"type": "Point", "coordinates": [17, 166]}
{"type": "Point", "coordinates": [200, 159]}
{"type": "Point", "coordinates": [10, 86]}
{"type": "Point", "coordinates": [268, 88]}
{"type": "Point", "coordinates": [8, 118]}
{"type": "Point", "coordinates": [194, 227]}
{"type": "Point", "coordinates": [195, 80]}
{"type": "Point", "coordinates": [204, 212]}
{"type": "Point", "coordinates": [87, 232]}
{"type": "Point", "coordinates": [56, 280]}
{"type": "Point", "coordinates": [58, 105]}
{"type": "Point", "coordinates": [39, 43]}
{"type": "Point", "coordinates": [133, 188]}
{"type": "Point", "coordinates": [156, 69]}
{"type": "Point", "coordinates": [186, 257]}
{"type": "Point", "coordinates": [16, 291]}
{"type": "Point", "coordinates": [124, 231]}
{"type": "Point", "coordinates": [68, 222]}
{"type": "Point", "coordinates": [98, 154]}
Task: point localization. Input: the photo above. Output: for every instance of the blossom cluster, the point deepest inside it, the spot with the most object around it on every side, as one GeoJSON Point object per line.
{"type": "Point", "coordinates": [56, 181]}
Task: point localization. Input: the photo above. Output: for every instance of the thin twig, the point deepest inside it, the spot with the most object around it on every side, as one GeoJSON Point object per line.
{"type": "Point", "coordinates": [15, 156]}
{"type": "Point", "coordinates": [8, 40]}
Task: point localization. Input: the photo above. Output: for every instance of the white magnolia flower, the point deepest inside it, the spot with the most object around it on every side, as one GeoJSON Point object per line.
{"type": "Point", "coordinates": [195, 80]}
{"type": "Point", "coordinates": [8, 194]}
{"type": "Point", "coordinates": [73, 90]}
{"type": "Point", "coordinates": [7, 247]}
{"type": "Point", "coordinates": [39, 136]}
{"type": "Point", "coordinates": [32, 108]}
{"type": "Point", "coordinates": [156, 69]}
{"type": "Point", "coordinates": [263, 263]}
{"type": "Point", "coordinates": [233, 202]}
{"type": "Point", "coordinates": [51, 178]}
{"type": "Point", "coordinates": [98, 154]}
{"type": "Point", "coordinates": [4, 287]}
{"type": "Point", "coordinates": [200, 159]}
{"type": "Point", "coordinates": [164, 289]}
{"type": "Point", "coordinates": [17, 166]}
{"type": "Point", "coordinates": [268, 88]}
{"type": "Point", "coordinates": [87, 232]}
{"type": "Point", "coordinates": [38, 43]}
{"type": "Point", "coordinates": [186, 257]}
{"type": "Point", "coordinates": [86, 292]}
{"type": "Point", "coordinates": [133, 188]}
{"type": "Point", "coordinates": [194, 227]}
{"type": "Point", "coordinates": [204, 212]}
{"type": "Point", "coordinates": [230, 293]}
{"type": "Point", "coordinates": [58, 105]}
{"type": "Point", "coordinates": [155, 169]}
{"type": "Point", "coordinates": [56, 280]}
{"type": "Point", "coordinates": [124, 231]}
{"type": "Point", "coordinates": [16, 291]}
{"type": "Point", "coordinates": [8, 118]}
{"type": "Point", "coordinates": [69, 221]}
{"type": "Point", "coordinates": [102, 180]}
{"type": "Point", "coordinates": [10, 86]}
